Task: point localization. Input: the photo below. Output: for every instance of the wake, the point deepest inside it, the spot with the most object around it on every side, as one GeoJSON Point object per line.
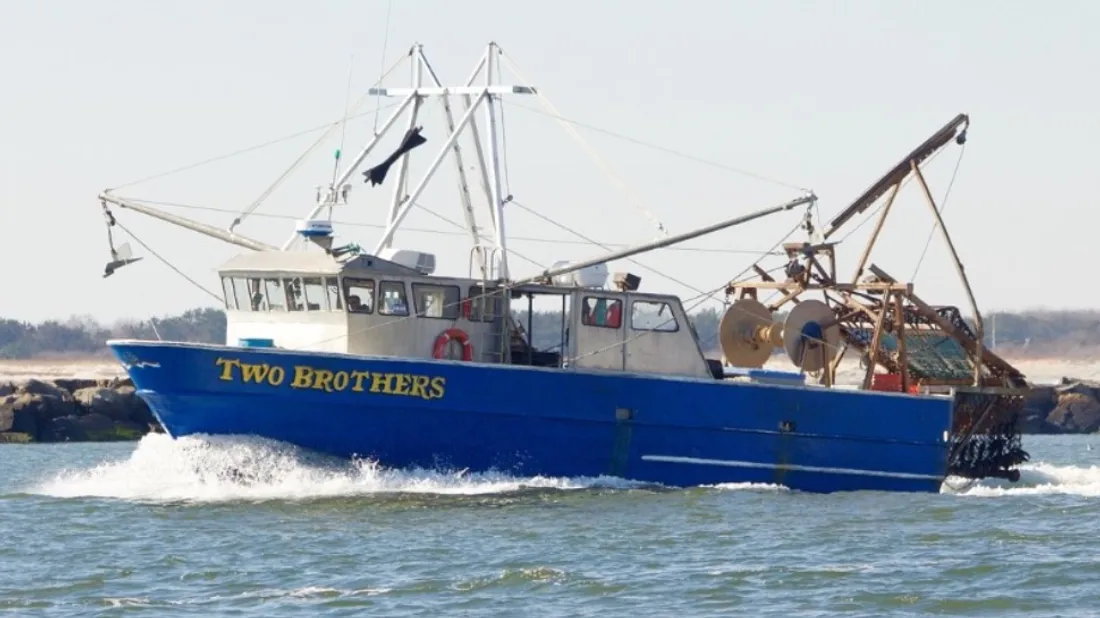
{"type": "Point", "coordinates": [226, 469]}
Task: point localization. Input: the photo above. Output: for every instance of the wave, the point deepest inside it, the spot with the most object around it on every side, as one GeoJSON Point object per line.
{"type": "Point", "coordinates": [223, 469]}
{"type": "Point", "coordinates": [1035, 480]}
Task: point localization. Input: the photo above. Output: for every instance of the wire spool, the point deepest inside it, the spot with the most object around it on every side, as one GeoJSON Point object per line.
{"type": "Point", "coordinates": [748, 334]}
{"type": "Point", "coordinates": [811, 336]}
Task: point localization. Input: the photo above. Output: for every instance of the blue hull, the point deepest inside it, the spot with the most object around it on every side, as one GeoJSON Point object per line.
{"type": "Point", "coordinates": [551, 422]}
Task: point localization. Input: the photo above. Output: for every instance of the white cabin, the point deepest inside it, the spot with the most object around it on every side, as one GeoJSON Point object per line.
{"type": "Point", "coordinates": [307, 300]}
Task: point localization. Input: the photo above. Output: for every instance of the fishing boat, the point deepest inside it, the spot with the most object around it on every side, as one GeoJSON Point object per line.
{"type": "Point", "coordinates": [372, 354]}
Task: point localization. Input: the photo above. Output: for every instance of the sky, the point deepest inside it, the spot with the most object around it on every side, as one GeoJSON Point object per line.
{"type": "Point", "coordinates": [690, 105]}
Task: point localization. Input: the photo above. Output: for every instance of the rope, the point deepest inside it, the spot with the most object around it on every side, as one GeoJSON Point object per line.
{"type": "Point", "coordinates": [942, 208]}
{"type": "Point", "coordinates": [179, 272]}
{"type": "Point", "coordinates": [882, 205]}
{"type": "Point", "coordinates": [382, 60]}
{"type": "Point", "coordinates": [602, 246]}
{"type": "Point", "coordinates": [660, 148]}
{"type": "Point", "coordinates": [630, 194]}
{"type": "Point", "coordinates": [293, 166]}
{"type": "Point", "coordinates": [228, 155]}
{"type": "Point", "coordinates": [449, 233]}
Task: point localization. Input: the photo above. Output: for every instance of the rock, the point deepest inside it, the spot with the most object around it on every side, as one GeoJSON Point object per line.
{"type": "Point", "coordinates": [71, 410]}
{"type": "Point", "coordinates": [1078, 409]}
{"type": "Point", "coordinates": [109, 403]}
{"type": "Point", "coordinates": [74, 385]}
{"type": "Point", "coordinates": [1041, 398]}
{"type": "Point", "coordinates": [7, 415]}
{"type": "Point", "coordinates": [41, 387]}
{"type": "Point", "coordinates": [1035, 422]}
{"type": "Point", "coordinates": [92, 427]}
{"type": "Point", "coordinates": [138, 410]}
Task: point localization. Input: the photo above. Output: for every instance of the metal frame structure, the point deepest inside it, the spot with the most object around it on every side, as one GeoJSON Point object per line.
{"type": "Point", "coordinates": [873, 307]}
{"type": "Point", "coordinates": [489, 262]}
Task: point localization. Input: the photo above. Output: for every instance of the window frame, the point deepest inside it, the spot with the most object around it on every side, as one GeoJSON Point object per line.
{"type": "Point", "coordinates": [280, 292]}
{"type": "Point", "coordinates": [451, 310]}
{"type": "Point", "coordinates": [334, 284]}
{"type": "Point", "coordinates": [381, 297]}
{"type": "Point", "coordinates": [672, 313]}
{"type": "Point", "coordinates": [292, 303]}
{"type": "Point", "coordinates": [318, 282]}
{"type": "Point", "coordinates": [479, 298]}
{"type": "Point", "coordinates": [229, 293]}
{"type": "Point", "coordinates": [346, 283]}
{"type": "Point", "coordinates": [586, 311]}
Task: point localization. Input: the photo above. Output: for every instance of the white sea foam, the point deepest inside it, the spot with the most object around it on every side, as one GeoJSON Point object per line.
{"type": "Point", "coordinates": [220, 469]}
{"type": "Point", "coordinates": [1036, 480]}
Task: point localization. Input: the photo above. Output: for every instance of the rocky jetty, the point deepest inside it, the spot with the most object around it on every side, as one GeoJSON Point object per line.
{"type": "Point", "coordinates": [73, 410]}
{"type": "Point", "coordinates": [1072, 406]}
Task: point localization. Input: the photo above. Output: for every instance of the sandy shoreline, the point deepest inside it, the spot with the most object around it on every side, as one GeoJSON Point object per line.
{"type": "Point", "coordinates": [1038, 371]}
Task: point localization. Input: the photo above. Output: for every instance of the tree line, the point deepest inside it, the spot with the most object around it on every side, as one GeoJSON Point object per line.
{"type": "Point", "coordinates": [1039, 332]}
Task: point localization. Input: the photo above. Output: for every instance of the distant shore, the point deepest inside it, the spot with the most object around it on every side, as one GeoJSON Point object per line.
{"type": "Point", "coordinates": [91, 399]}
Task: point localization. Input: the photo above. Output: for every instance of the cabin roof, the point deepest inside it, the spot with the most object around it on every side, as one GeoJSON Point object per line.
{"type": "Point", "coordinates": [312, 262]}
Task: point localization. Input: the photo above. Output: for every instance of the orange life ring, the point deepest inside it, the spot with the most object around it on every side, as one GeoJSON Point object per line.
{"type": "Point", "coordinates": [453, 334]}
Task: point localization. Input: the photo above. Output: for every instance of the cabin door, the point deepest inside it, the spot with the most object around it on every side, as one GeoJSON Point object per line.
{"type": "Point", "coordinates": [599, 330]}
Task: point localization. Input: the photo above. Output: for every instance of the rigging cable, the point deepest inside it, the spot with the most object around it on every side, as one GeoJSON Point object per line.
{"type": "Point", "coordinates": [382, 61]}
{"type": "Point", "coordinates": [659, 148]}
{"type": "Point", "coordinates": [179, 272]}
{"type": "Point", "coordinates": [701, 298]}
{"type": "Point", "coordinates": [883, 203]}
{"type": "Point", "coordinates": [465, 231]}
{"type": "Point", "coordinates": [603, 246]}
{"type": "Point", "coordinates": [630, 194]}
{"type": "Point", "coordinates": [942, 208]}
{"type": "Point", "coordinates": [344, 122]}
{"type": "Point", "coordinates": [240, 151]}
{"type": "Point", "coordinates": [278, 181]}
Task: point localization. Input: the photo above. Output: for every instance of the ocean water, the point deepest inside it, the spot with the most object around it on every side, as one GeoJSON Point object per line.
{"type": "Point", "coordinates": [243, 527]}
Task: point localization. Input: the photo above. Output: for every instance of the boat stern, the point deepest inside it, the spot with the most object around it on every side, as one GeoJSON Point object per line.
{"type": "Point", "coordinates": [985, 434]}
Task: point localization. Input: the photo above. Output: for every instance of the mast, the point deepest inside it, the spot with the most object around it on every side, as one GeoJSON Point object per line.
{"type": "Point", "coordinates": [474, 96]}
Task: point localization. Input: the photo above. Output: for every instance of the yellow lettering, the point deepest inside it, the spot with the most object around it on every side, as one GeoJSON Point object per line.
{"type": "Point", "coordinates": [402, 385]}
{"type": "Point", "coordinates": [227, 366]}
{"type": "Point", "coordinates": [276, 376]}
{"type": "Point", "coordinates": [303, 377]}
{"type": "Point", "coordinates": [359, 376]}
{"type": "Point", "coordinates": [437, 387]}
{"type": "Point", "coordinates": [322, 380]}
{"type": "Point", "coordinates": [340, 380]}
{"type": "Point", "coordinates": [420, 387]}
{"type": "Point", "coordinates": [254, 373]}
{"type": "Point", "coordinates": [380, 383]}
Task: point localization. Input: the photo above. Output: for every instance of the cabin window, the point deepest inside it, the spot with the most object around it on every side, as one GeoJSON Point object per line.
{"type": "Point", "coordinates": [276, 298]}
{"type": "Point", "coordinates": [602, 312]}
{"type": "Point", "coordinates": [240, 292]}
{"type": "Point", "coordinates": [257, 297]}
{"type": "Point", "coordinates": [293, 289]}
{"type": "Point", "coordinates": [359, 294]}
{"type": "Point", "coordinates": [653, 316]}
{"type": "Point", "coordinates": [315, 294]}
{"type": "Point", "coordinates": [436, 301]}
{"type": "Point", "coordinates": [391, 297]}
{"type": "Point", "coordinates": [332, 290]}
{"type": "Point", "coordinates": [228, 294]}
{"type": "Point", "coordinates": [484, 304]}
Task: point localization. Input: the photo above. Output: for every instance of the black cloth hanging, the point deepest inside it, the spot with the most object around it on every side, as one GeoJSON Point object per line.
{"type": "Point", "coordinates": [377, 174]}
